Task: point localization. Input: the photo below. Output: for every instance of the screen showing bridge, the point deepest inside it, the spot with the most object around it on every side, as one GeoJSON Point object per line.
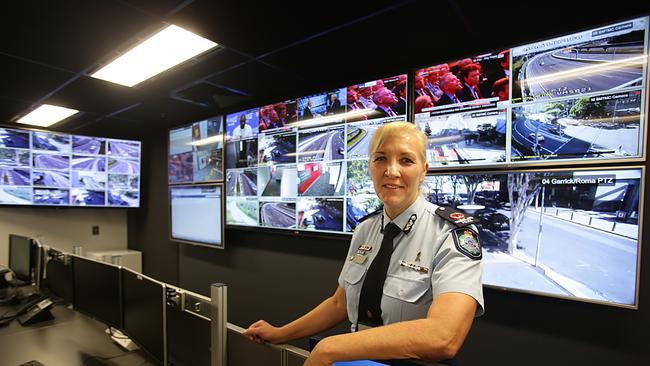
{"type": "Point", "coordinates": [579, 97]}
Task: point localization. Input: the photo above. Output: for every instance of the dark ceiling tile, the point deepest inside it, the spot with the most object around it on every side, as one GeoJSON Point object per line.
{"type": "Point", "coordinates": [256, 79]}
{"type": "Point", "coordinates": [10, 109]}
{"type": "Point", "coordinates": [211, 95]}
{"type": "Point", "coordinates": [27, 82]}
{"type": "Point", "coordinates": [71, 34]}
{"type": "Point", "coordinates": [158, 113]}
{"type": "Point", "coordinates": [256, 27]}
{"type": "Point", "coordinates": [217, 61]}
{"type": "Point", "coordinates": [95, 96]}
{"type": "Point", "coordinates": [157, 8]}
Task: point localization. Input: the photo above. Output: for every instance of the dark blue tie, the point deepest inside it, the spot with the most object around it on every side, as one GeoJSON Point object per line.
{"type": "Point", "coordinates": [373, 285]}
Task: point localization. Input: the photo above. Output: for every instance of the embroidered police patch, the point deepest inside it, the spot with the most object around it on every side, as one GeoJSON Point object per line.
{"type": "Point", "coordinates": [467, 242]}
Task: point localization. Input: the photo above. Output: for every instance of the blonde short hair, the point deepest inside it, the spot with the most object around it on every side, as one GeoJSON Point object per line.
{"type": "Point", "coordinates": [406, 128]}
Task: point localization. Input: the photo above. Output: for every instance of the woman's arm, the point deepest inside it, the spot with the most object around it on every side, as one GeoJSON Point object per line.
{"type": "Point", "coordinates": [437, 337]}
{"type": "Point", "coordinates": [329, 313]}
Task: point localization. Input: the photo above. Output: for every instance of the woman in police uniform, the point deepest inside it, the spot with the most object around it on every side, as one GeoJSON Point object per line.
{"type": "Point", "coordinates": [411, 284]}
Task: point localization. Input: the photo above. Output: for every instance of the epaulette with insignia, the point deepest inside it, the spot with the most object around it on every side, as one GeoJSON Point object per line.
{"type": "Point", "coordinates": [459, 218]}
{"type": "Point", "coordinates": [378, 211]}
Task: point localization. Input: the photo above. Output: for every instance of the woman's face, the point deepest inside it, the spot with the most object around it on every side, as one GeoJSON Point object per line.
{"type": "Point", "coordinates": [396, 170]}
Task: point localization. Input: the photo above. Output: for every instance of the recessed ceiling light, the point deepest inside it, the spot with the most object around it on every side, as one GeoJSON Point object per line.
{"type": "Point", "coordinates": [47, 115]}
{"type": "Point", "coordinates": [163, 50]}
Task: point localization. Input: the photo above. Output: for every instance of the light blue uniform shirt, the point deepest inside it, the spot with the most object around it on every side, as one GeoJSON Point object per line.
{"type": "Point", "coordinates": [425, 263]}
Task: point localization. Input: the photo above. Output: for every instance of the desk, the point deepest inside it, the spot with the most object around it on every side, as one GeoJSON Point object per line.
{"type": "Point", "coordinates": [71, 339]}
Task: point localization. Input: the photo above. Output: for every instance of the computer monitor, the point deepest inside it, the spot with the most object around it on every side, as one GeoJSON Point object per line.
{"type": "Point", "coordinates": [97, 290]}
{"type": "Point", "coordinates": [58, 279]}
{"type": "Point", "coordinates": [196, 214]}
{"type": "Point", "coordinates": [188, 338]}
{"type": "Point", "coordinates": [20, 257]}
{"type": "Point", "coordinates": [143, 302]}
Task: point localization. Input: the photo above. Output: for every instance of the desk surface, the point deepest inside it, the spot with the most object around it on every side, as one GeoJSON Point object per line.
{"type": "Point", "coordinates": [71, 339]}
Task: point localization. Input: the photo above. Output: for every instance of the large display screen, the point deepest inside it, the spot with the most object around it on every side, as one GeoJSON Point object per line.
{"type": "Point", "coordinates": [196, 152]}
{"type": "Point", "coordinates": [579, 97]}
{"type": "Point", "coordinates": [302, 164]}
{"type": "Point", "coordinates": [56, 169]}
{"type": "Point", "coordinates": [564, 233]}
{"type": "Point", "coordinates": [196, 214]}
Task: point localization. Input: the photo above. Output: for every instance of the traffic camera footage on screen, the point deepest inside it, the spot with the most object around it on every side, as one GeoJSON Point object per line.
{"type": "Point", "coordinates": [56, 169]}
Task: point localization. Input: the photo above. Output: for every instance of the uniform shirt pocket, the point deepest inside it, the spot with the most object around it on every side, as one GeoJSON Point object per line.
{"type": "Point", "coordinates": [354, 273]}
{"type": "Point", "coordinates": [406, 289]}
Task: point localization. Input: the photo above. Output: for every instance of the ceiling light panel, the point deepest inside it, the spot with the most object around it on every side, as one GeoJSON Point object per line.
{"type": "Point", "coordinates": [167, 48]}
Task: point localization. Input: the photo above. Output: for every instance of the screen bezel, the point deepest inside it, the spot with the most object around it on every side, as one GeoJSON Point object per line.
{"type": "Point", "coordinates": [223, 215]}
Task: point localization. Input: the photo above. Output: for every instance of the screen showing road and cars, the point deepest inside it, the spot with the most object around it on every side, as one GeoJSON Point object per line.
{"type": "Point", "coordinates": [564, 233]}
{"type": "Point", "coordinates": [578, 97]}
{"type": "Point", "coordinates": [55, 169]}
{"type": "Point", "coordinates": [301, 164]}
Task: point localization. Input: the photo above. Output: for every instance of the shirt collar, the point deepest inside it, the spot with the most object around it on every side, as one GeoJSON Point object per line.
{"type": "Point", "coordinates": [407, 219]}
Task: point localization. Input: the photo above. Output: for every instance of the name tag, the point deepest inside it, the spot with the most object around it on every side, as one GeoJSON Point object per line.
{"type": "Point", "coordinates": [414, 266]}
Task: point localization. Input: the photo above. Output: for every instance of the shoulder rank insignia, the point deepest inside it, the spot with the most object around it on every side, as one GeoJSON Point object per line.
{"type": "Point", "coordinates": [409, 224]}
{"type": "Point", "coordinates": [459, 218]}
{"type": "Point", "coordinates": [377, 211]}
{"type": "Point", "coordinates": [467, 242]}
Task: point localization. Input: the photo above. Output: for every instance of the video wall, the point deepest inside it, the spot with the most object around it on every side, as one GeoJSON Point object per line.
{"type": "Point", "coordinates": [589, 248]}
{"type": "Point", "coordinates": [579, 97]}
{"type": "Point", "coordinates": [55, 169]}
{"type": "Point", "coordinates": [196, 152]}
{"type": "Point", "coordinates": [301, 164]}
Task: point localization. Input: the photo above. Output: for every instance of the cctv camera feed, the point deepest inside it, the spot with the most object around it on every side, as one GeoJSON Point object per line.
{"type": "Point", "coordinates": [277, 212]}
{"type": "Point", "coordinates": [589, 246]}
{"type": "Point", "coordinates": [55, 169]}
{"type": "Point", "coordinates": [196, 214]}
{"type": "Point", "coordinates": [196, 152]}
{"type": "Point", "coordinates": [277, 148]}
{"type": "Point", "coordinates": [605, 126]}
{"type": "Point", "coordinates": [578, 97]}
{"type": "Point", "coordinates": [278, 115]}
{"type": "Point", "coordinates": [321, 143]}
{"type": "Point", "coordinates": [305, 166]}
{"type": "Point", "coordinates": [467, 84]}
{"type": "Point", "coordinates": [242, 125]}
{"type": "Point", "coordinates": [595, 60]}
{"type": "Point", "coordinates": [464, 138]}
{"type": "Point", "coordinates": [377, 99]}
